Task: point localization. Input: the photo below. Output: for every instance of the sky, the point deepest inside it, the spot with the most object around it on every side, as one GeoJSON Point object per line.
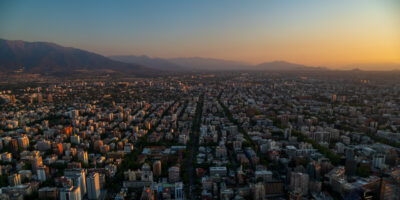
{"type": "Point", "coordinates": [332, 33]}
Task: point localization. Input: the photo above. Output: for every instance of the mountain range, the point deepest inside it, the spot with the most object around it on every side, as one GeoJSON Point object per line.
{"type": "Point", "coordinates": [373, 67]}
{"type": "Point", "coordinates": [155, 63]}
{"type": "Point", "coordinates": [210, 64]}
{"type": "Point", "coordinates": [45, 57]}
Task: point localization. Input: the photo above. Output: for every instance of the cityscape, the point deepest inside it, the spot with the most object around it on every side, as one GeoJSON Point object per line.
{"type": "Point", "coordinates": [86, 114]}
{"type": "Point", "coordinates": [232, 135]}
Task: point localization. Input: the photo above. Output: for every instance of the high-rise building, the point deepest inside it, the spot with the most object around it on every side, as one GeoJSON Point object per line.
{"type": "Point", "coordinates": [389, 190]}
{"type": "Point", "coordinates": [174, 174]}
{"type": "Point", "coordinates": [334, 97]}
{"type": "Point", "coordinates": [83, 156]}
{"type": "Point", "coordinates": [41, 174]}
{"type": "Point", "coordinates": [75, 139]}
{"type": "Point", "coordinates": [147, 176]}
{"type": "Point", "coordinates": [36, 163]}
{"type": "Point", "coordinates": [350, 164]}
{"type": "Point", "coordinates": [70, 193]}
{"type": "Point", "coordinates": [50, 98]}
{"type": "Point", "coordinates": [93, 186]}
{"type": "Point", "coordinates": [102, 178]}
{"type": "Point", "coordinates": [43, 145]}
{"type": "Point", "coordinates": [128, 148]}
{"type": "Point", "coordinates": [14, 179]}
{"type": "Point", "coordinates": [39, 97]}
{"type": "Point", "coordinates": [299, 182]}
{"type": "Point", "coordinates": [58, 148]}
{"type": "Point", "coordinates": [378, 161]}
{"type": "Point", "coordinates": [349, 153]}
{"type": "Point", "coordinates": [23, 142]}
{"type": "Point", "coordinates": [157, 168]}
{"type": "Point", "coordinates": [48, 193]}
{"type": "Point", "coordinates": [259, 191]}
{"type": "Point", "coordinates": [13, 99]}
{"type": "Point", "coordinates": [78, 176]}
{"type": "Point", "coordinates": [14, 146]}
{"type": "Point", "coordinates": [179, 194]}
{"type": "Point", "coordinates": [218, 171]}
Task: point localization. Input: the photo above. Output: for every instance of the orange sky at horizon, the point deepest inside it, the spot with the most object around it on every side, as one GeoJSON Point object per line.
{"type": "Point", "coordinates": [311, 32]}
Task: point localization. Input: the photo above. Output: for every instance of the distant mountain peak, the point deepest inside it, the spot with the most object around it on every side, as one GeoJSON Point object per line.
{"type": "Point", "coordinates": [155, 63]}
{"type": "Point", "coordinates": [199, 63]}
{"type": "Point", "coordinates": [280, 65]}
{"type": "Point", "coordinates": [46, 57]}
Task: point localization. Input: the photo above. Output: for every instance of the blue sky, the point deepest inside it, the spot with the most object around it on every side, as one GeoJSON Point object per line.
{"type": "Point", "coordinates": [300, 31]}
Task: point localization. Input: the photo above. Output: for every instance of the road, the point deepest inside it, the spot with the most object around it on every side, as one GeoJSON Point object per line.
{"type": "Point", "coordinates": [194, 145]}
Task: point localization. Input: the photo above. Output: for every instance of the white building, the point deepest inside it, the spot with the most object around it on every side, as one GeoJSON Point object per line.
{"type": "Point", "coordinates": [93, 186]}
{"type": "Point", "coordinates": [41, 174]}
{"type": "Point", "coordinates": [220, 171]}
{"type": "Point", "coordinates": [378, 161]}
{"type": "Point", "coordinates": [179, 193]}
{"type": "Point", "coordinates": [70, 193]}
{"type": "Point", "coordinates": [78, 177]}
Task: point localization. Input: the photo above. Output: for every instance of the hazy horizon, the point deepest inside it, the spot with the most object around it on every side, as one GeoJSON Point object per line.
{"type": "Point", "coordinates": [317, 33]}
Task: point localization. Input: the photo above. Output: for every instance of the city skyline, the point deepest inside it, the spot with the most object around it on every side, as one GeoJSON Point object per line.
{"type": "Point", "coordinates": [190, 100]}
{"type": "Point", "coordinates": [331, 34]}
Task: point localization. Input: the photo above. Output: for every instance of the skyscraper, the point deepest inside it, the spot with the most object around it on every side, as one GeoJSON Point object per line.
{"type": "Point", "coordinates": [70, 193]}
{"type": "Point", "coordinates": [93, 186]}
{"type": "Point", "coordinates": [78, 176]}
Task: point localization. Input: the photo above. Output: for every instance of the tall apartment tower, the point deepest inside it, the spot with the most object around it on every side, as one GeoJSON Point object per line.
{"type": "Point", "coordinates": [157, 168]}
{"type": "Point", "coordinates": [70, 193]}
{"type": "Point", "coordinates": [78, 177]}
{"type": "Point", "coordinates": [93, 186]}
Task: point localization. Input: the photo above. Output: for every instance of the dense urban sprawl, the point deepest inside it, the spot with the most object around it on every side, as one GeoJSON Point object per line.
{"type": "Point", "coordinates": [233, 135]}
